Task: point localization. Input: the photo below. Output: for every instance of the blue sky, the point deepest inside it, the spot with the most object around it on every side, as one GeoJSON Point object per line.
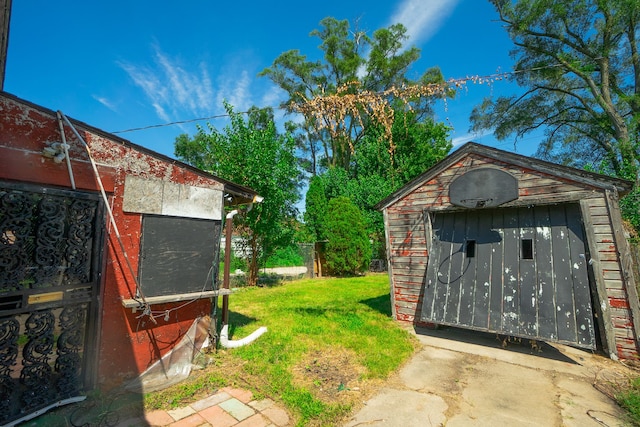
{"type": "Point", "coordinates": [120, 65]}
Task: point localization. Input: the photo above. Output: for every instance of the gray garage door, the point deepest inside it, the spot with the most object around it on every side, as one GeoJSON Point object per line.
{"type": "Point", "coordinates": [518, 271]}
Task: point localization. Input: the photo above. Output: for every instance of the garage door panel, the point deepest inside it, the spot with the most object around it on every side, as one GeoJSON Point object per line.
{"type": "Point", "coordinates": [510, 304]}
{"type": "Point", "coordinates": [497, 276]}
{"type": "Point", "coordinates": [452, 270]}
{"type": "Point", "coordinates": [527, 274]}
{"type": "Point", "coordinates": [579, 267]}
{"type": "Point", "coordinates": [565, 309]}
{"type": "Point", "coordinates": [545, 283]}
{"type": "Point", "coordinates": [434, 285]}
{"type": "Point", "coordinates": [469, 271]}
{"type": "Point", "coordinates": [443, 268]}
{"type": "Point", "coordinates": [482, 290]}
{"type": "Point", "coordinates": [520, 272]}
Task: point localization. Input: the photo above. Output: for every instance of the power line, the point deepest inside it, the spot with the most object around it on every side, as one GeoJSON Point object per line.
{"type": "Point", "coordinates": [174, 123]}
{"type": "Point", "coordinates": [451, 82]}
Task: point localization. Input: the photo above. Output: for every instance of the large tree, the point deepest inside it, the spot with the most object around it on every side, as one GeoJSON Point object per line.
{"type": "Point", "coordinates": [375, 172]}
{"type": "Point", "coordinates": [579, 65]}
{"type": "Point", "coordinates": [352, 62]}
{"type": "Point", "coordinates": [251, 153]}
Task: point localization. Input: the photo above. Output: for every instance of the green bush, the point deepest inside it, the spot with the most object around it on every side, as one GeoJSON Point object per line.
{"type": "Point", "coordinates": [285, 257]}
{"type": "Point", "coordinates": [630, 207]}
{"type": "Point", "coordinates": [348, 249]}
{"type": "Point", "coordinates": [237, 263]}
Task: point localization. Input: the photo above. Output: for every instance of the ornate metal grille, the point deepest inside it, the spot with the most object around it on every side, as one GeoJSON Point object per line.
{"type": "Point", "coordinates": [49, 257]}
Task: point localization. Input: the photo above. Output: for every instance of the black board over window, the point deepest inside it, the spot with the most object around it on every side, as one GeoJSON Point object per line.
{"type": "Point", "coordinates": [178, 255]}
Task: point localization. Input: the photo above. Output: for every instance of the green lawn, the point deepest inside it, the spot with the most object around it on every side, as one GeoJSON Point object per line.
{"type": "Point", "coordinates": [330, 343]}
{"type": "Point", "coordinates": [629, 399]}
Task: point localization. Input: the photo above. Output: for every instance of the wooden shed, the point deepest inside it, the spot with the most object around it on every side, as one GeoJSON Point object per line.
{"type": "Point", "coordinates": [108, 259]}
{"type": "Point", "coordinates": [499, 242]}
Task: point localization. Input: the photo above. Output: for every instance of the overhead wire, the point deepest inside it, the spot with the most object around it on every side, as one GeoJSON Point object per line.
{"type": "Point", "coordinates": [451, 82]}
{"type": "Point", "coordinates": [144, 304]}
{"type": "Point", "coordinates": [179, 122]}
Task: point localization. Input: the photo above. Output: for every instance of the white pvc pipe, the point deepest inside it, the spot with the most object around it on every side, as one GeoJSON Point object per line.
{"type": "Point", "coordinates": [43, 410]}
{"type": "Point", "coordinates": [147, 309]}
{"type": "Point", "coordinates": [224, 333]}
{"type": "Point", "coordinates": [226, 343]}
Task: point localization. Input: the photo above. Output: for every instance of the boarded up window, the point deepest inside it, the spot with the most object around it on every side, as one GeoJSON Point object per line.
{"type": "Point", "coordinates": [178, 255]}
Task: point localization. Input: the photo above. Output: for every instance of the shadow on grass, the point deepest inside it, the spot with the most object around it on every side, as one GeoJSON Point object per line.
{"type": "Point", "coordinates": [237, 320]}
{"type": "Point", "coordinates": [381, 304]}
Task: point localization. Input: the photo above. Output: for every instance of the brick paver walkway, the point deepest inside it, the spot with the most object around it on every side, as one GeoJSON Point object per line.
{"type": "Point", "coordinates": [228, 407]}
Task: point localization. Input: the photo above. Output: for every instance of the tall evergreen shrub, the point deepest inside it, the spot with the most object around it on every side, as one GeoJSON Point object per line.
{"type": "Point", "coordinates": [348, 250]}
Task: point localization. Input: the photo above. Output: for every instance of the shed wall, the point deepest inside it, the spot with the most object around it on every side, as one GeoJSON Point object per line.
{"type": "Point", "coordinates": [408, 241]}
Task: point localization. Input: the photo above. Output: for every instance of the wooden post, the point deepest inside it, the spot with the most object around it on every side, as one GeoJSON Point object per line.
{"type": "Point", "coordinates": [227, 266]}
{"type": "Point", "coordinates": [5, 17]}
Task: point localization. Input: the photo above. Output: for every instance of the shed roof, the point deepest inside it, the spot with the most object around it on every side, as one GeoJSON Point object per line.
{"type": "Point", "coordinates": [561, 171]}
{"type": "Point", "coordinates": [239, 193]}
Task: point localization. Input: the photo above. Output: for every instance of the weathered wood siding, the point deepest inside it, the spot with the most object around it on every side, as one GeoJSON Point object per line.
{"type": "Point", "coordinates": [408, 242]}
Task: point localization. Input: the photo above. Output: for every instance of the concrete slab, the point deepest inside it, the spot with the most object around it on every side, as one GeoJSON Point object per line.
{"type": "Point", "coordinates": [462, 378]}
{"type": "Point", "coordinates": [401, 408]}
{"type": "Point", "coordinates": [505, 394]}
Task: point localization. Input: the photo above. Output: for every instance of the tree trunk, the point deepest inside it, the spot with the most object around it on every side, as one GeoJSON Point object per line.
{"type": "Point", "coordinates": [252, 279]}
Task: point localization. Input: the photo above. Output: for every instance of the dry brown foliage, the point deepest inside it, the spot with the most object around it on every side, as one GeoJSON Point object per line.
{"type": "Point", "coordinates": [331, 111]}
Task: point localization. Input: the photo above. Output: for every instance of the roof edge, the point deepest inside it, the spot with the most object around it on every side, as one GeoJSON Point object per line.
{"type": "Point", "coordinates": [598, 180]}
{"type": "Point", "coordinates": [247, 194]}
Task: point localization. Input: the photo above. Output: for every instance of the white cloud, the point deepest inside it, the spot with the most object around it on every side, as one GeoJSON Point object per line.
{"type": "Point", "coordinates": [422, 18]}
{"type": "Point", "coordinates": [235, 90]}
{"type": "Point", "coordinates": [273, 96]}
{"type": "Point", "coordinates": [161, 112]}
{"type": "Point", "coordinates": [462, 139]}
{"type": "Point", "coordinates": [104, 101]}
{"type": "Point", "coordinates": [459, 140]}
{"type": "Point", "coordinates": [173, 91]}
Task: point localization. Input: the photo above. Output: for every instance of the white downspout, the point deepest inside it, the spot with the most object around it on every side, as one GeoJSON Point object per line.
{"type": "Point", "coordinates": [224, 333]}
{"type": "Point", "coordinates": [227, 343]}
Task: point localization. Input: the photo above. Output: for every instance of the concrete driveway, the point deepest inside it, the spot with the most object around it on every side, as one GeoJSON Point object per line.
{"type": "Point", "coordinates": [467, 378]}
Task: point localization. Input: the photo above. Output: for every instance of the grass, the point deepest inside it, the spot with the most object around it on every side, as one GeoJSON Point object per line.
{"type": "Point", "coordinates": [330, 342]}
{"type": "Point", "coordinates": [629, 400]}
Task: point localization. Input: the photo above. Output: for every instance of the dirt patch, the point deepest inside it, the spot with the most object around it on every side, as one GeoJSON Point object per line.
{"type": "Point", "coordinates": [333, 375]}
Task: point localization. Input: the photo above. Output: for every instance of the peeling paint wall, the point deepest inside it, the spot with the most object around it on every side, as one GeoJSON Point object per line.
{"type": "Point", "coordinates": [129, 342]}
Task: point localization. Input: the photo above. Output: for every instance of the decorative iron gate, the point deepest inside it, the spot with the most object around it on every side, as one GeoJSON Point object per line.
{"type": "Point", "coordinates": [514, 271]}
{"type": "Point", "coordinates": [50, 257]}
